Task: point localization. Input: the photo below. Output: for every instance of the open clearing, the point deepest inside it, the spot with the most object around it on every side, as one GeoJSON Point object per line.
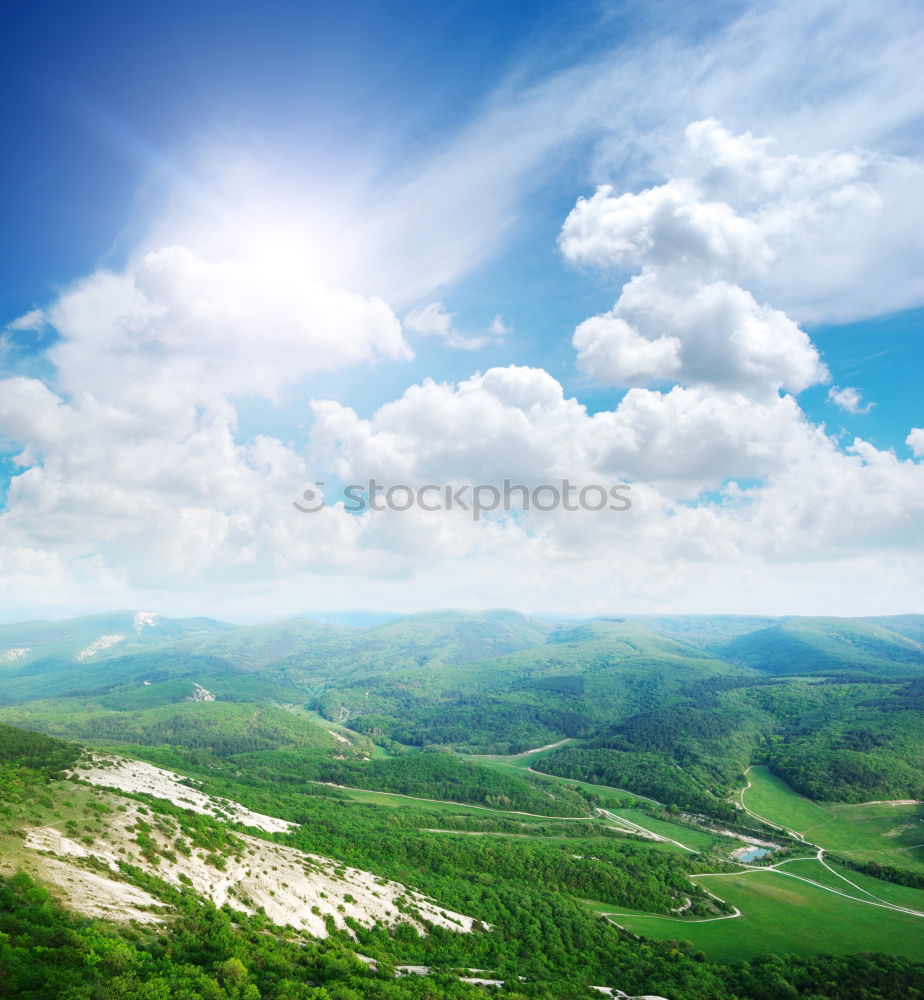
{"type": "Point", "coordinates": [870, 888]}
{"type": "Point", "coordinates": [693, 840]}
{"type": "Point", "coordinates": [784, 915]}
{"type": "Point", "coordinates": [890, 834]}
{"type": "Point", "coordinates": [524, 760]}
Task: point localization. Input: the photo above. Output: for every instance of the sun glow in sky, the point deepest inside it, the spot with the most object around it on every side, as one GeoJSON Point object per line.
{"type": "Point", "coordinates": [248, 250]}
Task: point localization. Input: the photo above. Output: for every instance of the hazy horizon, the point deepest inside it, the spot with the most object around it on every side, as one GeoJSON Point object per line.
{"type": "Point", "coordinates": [375, 618]}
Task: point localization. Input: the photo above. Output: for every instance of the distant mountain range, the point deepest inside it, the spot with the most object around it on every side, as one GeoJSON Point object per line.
{"type": "Point", "coordinates": [674, 707]}
{"type": "Point", "coordinates": [95, 637]}
{"type": "Point", "coordinates": [97, 653]}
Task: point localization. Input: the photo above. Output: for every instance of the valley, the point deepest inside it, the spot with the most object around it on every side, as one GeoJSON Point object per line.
{"type": "Point", "coordinates": [633, 805]}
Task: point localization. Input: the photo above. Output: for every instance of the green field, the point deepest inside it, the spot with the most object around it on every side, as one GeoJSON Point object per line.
{"type": "Point", "coordinates": [398, 801]}
{"type": "Point", "coordinates": [770, 798]}
{"type": "Point", "coordinates": [783, 915]}
{"type": "Point", "coordinates": [888, 834]}
{"type": "Point", "coordinates": [870, 888]}
{"type": "Point", "coordinates": [696, 840]}
{"type": "Point", "coordinates": [524, 760]}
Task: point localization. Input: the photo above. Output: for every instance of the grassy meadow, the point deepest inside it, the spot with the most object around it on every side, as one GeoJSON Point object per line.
{"type": "Point", "coordinates": [890, 834]}
{"type": "Point", "coordinates": [784, 915]}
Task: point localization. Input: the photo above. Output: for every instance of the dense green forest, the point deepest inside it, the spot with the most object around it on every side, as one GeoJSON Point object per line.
{"type": "Point", "coordinates": [214, 955]}
{"type": "Point", "coordinates": [861, 742]}
{"type": "Point", "coordinates": [674, 708]}
{"type": "Point", "coordinates": [425, 774]}
{"type": "Point", "coordinates": [646, 773]}
{"type": "Point", "coordinates": [543, 941]}
{"type": "Point", "coordinates": [35, 751]}
{"type": "Point", "coordinates": [830, 740]}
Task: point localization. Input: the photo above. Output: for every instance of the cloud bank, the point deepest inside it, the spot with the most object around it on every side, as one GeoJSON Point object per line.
{"type": "Point", "coordinates": [134, 477]}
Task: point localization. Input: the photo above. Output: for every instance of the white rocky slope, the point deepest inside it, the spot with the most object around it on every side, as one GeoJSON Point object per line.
{"type": "Point", "coordinates": [293, 887]}
{"type": "Point", "coordinates": [142, 618]}
{"type": "Point", "coordinates": [135, 776]}
{"type": "Point", "coordinates": [94, 895]}
{"type": "Point", "coordinates": [201, 694]}
{"type": "Point", "coordinates": [12, 655]}
{"type": "Point", "coordinates": [98, 645]}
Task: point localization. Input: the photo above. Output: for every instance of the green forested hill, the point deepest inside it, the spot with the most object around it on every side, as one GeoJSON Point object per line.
{"type": "Point", "coordinates": [831, 645]}
{"type": "Point", "coordinates": [35, 751]}
{"type": "Point", "coordinates": [833, 740]}
{"type": "Point", "coordinates": [43, 645]}
{"type": "Point", "coordinates": [705, 631]}
{"type": "Point", "coordinates": [221, 727]}
{"type": "Point", "coordinates": [581, 679]}
{"type": "Point", "coordinates": [673, 707]}
{"type": "Point", "coordinates": [849, 742]}
{"type": "Point", "coordinates": [910, 626]}
{"type": "Point", "coordinates": [691, 753]}
{"type": "Point", "coordinates": [279, 654]}
{"type": "Point", "coordinates": [632, 637]}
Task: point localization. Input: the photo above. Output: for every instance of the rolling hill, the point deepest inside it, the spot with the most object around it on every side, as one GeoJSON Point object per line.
{"type": "Point", "coordinates": [877, 646]}
{"type": "Point", "coordinates": [41, 645]}
{"type": "Point", "coordinates": [673, 707]}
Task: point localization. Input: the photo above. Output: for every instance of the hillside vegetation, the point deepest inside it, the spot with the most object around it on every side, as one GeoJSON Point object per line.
{"type": "Point", "coordinates": [671, 707]}
{"type": "Point", "coordinates": [184, 905]}
{"type": "Point", "coordinates": [831, 645]}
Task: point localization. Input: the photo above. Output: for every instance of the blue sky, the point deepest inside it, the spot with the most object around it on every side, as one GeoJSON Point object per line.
{"type": "Point", "coordinates": [105, 99]}
{"type": "Point", "coordinates": [250, 248]}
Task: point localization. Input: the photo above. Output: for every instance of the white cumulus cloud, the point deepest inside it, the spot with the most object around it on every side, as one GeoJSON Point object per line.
{"type": "Point", "coordinates": [849, 398]}
{"type": "Point", "coordinates": [915, 441]}
{"type": "Point", "coordinates": [826, 236]}
{"type": "Point", "coordinates": [667, 329]}
{"type": "Point", "coordinates": [216, 326]}
{"type": "Point", "coordinates": [517, 423]}
{"type": "Point", "coordinates": [130, 454]}
{"type": "Point", "coordinates": [432, 320]}
{"type": "Point", "coordinates": [725, 251]}
{"type": "Point", "coordinates": [32, 320]}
